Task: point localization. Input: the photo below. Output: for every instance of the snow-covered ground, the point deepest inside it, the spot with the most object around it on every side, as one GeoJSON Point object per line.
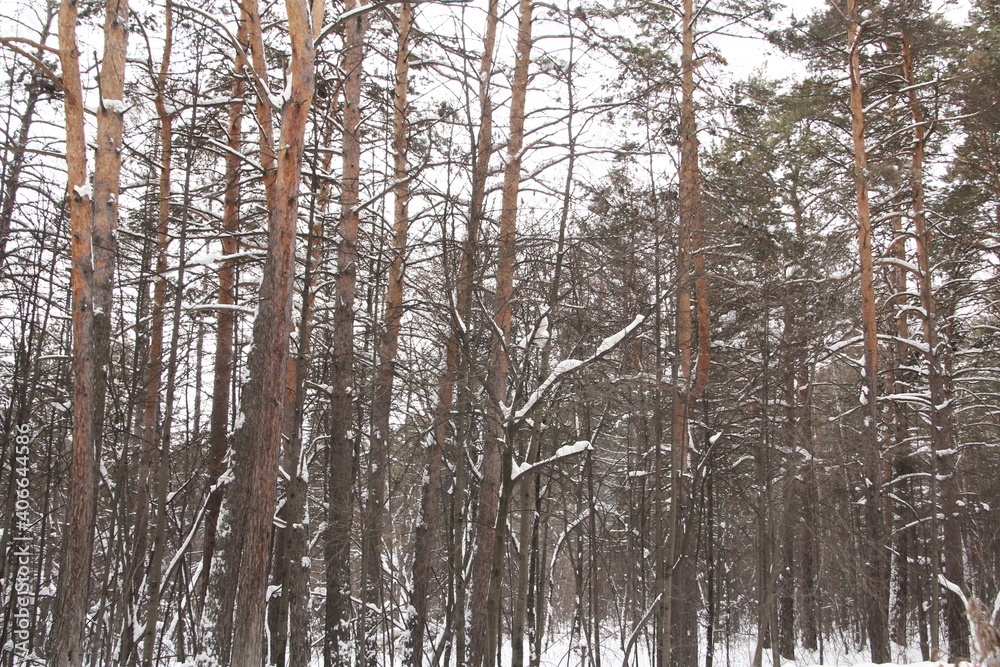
{"type": "Point", "coordinates": [738, 652]}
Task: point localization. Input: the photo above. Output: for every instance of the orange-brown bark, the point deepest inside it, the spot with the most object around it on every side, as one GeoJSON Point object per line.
{"type": "Point", "coordinates": [489, 519]}
{"type": "Point", "coordinates": [93, 249]}
{"type": "Point", "coordinates": [878, 564]}
{"type": "Point", "coordinates": [218, 437]}
{"type": "Point", "coordinates": [74, 571]}
{"type": "Point", "coordinates": [257, 442]}
{"type": "Point", "coordinates": [152, 433]}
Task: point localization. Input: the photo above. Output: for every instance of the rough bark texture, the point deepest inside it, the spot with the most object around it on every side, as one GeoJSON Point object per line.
{"type": "Point", "coordinates": [341, 447]}
{"type": "Point", "coordinates": [93, 251]}
{"type": "Point", "coordinates": [227, 584]}
{"type": "Point", "coordinates": [74, 571]}
{"type": "Point", "coordinates": [291, 637]}
{"type": "Point", "coordinates": [489, 522]}
{"type": "Point", "coordinates": [218, 435]}
{"type": "Point", "coordinates": [877, 569]}
{"type": "Point", "coordinates": [257, 442]}
{"type": "Point", "coordinates": [941, 411]}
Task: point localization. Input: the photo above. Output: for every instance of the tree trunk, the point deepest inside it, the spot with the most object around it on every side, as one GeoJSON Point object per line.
{"type": "Point", "coordinates": [93, 251]}
{"type": "Point", "coordinates": [341, 447]}
{"type": "Point", "coordinates": [218, 437]}
{"type": "Point", "coordinates": [878, 565]}
{"type": "Point", "coordinates": [388, 344]}
{"type": "Point", "coordinates": [458, 363]}
{"type": "Point", "coordinates": [257, 441]}
{"type": "Point", "coordinates": [528, 481]}
{"type": "Point", "coordinates": [293, 605]}
{"type": "Point", "coordinates": [233, 549]}
{"type": "Point", "coordinates": [682, 594]}
{"type": "Point", "coordinates": [489, 521]}
{"type": "Point", "coordinates": [941, 410]}
{"type": "Point", "coordinates": [149, 433]}
{"type": "Point", "coordinates": [161, 439]}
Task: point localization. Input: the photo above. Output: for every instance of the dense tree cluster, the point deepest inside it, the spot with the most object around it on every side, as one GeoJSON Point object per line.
{"type": "Point", "coordinates": [473, 332]}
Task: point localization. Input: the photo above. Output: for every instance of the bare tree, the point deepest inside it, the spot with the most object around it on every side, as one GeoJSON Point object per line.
{"type": "Point", "coordinates": [257, 442]}
{"type": "Point", "coordinates": [94, 220]}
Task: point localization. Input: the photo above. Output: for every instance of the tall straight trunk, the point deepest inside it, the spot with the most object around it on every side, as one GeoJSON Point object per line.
{"type": "Point", "coordinates": [527, 489]}
{"type": "Point", "coordinates": [898, 434]}
{"type": "Point", "coordinates": [528, 481]}
{"type": "Point", "coordinates": [786, 577]}
{"type": "Point", "coordinates": [681, 600]}
{"type": "Point", "coordinates": [489, 521]}
{"type": "Point", "coordinates": [711, 601]}
{"type": "Point", "coordinates": [941, 410]}
{"type": "Point", "coordinates": [293, 605]}
{"type": "Point", "coordinates": [257, 441]}
{"type": "Point", "coordinates": [152, 437]}
{"type": "Point", "coordinates": [227, 584]}
{"type": "Point", "coordinates": [341, 447]}
{"type": "Point", "coordinates": [458, 364]}
{"type": "Point", "coordinates": [416, 621]}
{"type": "Point", "coordinates": [388, 344]}
{"type": "Point", "coordinates": [786, 587]}
{"type": "Point", "coordinates": [810, 541]}
{"type": "Point", "coordinates": [93, 250]}
{"type": "Point", "coordinates": [765, 529]}
{"type": "Point", "coordinates": [878, 565]}
{"type": "Point", "coordinates": [149, 433]}
{"type": "Point", "coordinates": [801, 398]}
{"type": "Point", "coordinates": [218, 434]}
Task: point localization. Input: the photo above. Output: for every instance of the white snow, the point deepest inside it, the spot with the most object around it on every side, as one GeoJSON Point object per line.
{"type": "Point", "coordinates": [83, 191]}
{"type": "Point", "coordinates": [113, 105]}
{"type": "Point", "coordinates": [575, 448]}
{"type": "Point", "coordinates": [610, 342]}
{"type": "Point", "coordinates": [206, 259]}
